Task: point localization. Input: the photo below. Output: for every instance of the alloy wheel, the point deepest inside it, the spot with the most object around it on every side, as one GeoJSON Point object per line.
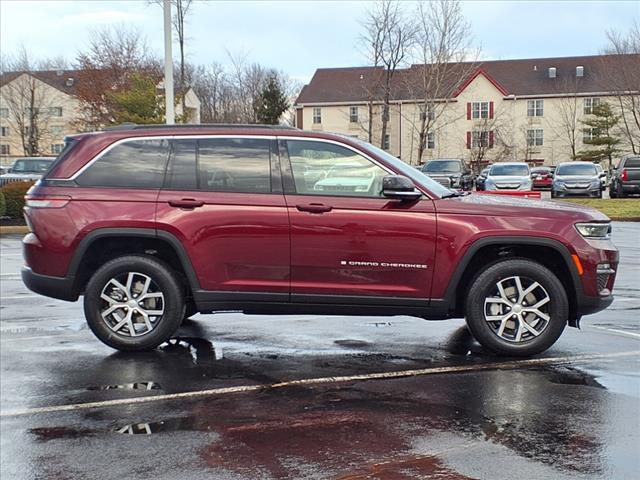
{"type": "Point", "coordinates": [131, 304]}
{"type": "Point", "coordinates": [517, 309]}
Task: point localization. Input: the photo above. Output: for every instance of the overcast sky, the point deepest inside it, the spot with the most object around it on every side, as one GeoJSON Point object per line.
{"type": "Point", "coordinates": [298, 37]}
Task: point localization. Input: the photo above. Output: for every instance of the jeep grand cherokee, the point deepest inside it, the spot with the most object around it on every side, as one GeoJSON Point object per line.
{"type": "Point", "coordinates": [152, 224]}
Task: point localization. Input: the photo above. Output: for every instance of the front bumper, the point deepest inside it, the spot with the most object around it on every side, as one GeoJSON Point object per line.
{"type": "Point", "coordinates": [56, 287]}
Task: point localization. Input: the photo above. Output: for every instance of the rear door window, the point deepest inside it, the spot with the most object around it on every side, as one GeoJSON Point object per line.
{"type": "Point", "coordinates": [240, 165]}
{"type": "Point", "coordinates": [132, 164]}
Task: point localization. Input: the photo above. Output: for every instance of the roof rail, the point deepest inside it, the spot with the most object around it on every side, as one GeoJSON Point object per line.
{"type": "Point", "coordinates": [134, 126]}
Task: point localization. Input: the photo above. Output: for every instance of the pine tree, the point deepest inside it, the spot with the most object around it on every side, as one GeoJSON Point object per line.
{"type": "Point", "coordinates": [273, 103]}
{"type": "Point", "coordinates": [603, 141]}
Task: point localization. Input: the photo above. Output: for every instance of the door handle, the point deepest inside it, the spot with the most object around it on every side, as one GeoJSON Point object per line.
{"type": "Point", "coordinates": [314, 208]}
{"type": "Point", "coordinates": [189, 203]}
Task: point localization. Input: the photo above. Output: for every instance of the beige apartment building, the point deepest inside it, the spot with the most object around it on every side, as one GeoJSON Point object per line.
{"type": "Point", "coordinates": [510, 110]}
{"type": "Point", "coordinates": [53, 94]}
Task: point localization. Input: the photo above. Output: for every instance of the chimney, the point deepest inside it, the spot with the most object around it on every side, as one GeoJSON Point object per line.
{"type": "Point", "coordinates": [69, 82]}
{"type": "Point", "coordinates": [552, 72]}
{"type": "Point", "coordinates": [535, 68]}
{"type": "Point", "coordinates": [59, 73]}
{"type": "Point", "coordinates": [579, 71]}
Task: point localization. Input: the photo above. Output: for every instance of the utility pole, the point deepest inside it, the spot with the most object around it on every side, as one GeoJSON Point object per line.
{"type": "Point", "coordinates": [168, 65]}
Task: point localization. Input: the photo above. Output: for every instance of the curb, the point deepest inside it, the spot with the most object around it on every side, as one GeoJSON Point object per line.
{"type": "Point", "coordinates": [13, 229]}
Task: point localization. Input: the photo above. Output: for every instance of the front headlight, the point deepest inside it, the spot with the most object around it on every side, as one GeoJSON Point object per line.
{"type": "Point", "coordinates": [596, 183]}
{"type": "Point", "coordinates": [594, 230]}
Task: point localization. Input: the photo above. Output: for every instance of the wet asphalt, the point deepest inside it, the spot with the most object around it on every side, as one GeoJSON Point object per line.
{"type": "Point", "coordinates": [258, 397]}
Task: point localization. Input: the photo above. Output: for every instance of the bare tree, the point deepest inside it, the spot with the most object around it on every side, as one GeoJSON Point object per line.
{"type": "Point", "coordinates": [623, 78]}
{"type": "Point", "coordinates": [567, 124]}
{"type": "Point", "coordinates": [444, 48]}
{"type": "Point", "coordinates": [27, 101]}
{"type": "Point", "coordinates": [390, 35]}
{"type": "Point", "coordinates": [490, 140]}
{"type": "Point", "coordinates": [106, 66]}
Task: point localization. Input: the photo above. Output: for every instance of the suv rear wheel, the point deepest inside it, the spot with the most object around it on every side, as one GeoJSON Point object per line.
{"type": "Point", "coordinates": [517, 307]}
{"type": "Point", "coordinates": [134, 303]}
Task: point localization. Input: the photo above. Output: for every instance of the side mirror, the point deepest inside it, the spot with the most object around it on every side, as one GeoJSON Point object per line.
{"type": "Point", "coordinates": [400, 188]}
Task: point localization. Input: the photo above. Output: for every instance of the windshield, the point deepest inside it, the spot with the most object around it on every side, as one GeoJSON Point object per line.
{"type": "Point", "coordinates": [576, 169]}
{"type": "Point", "coordinates": [442, 166]}
{"type": "Point", "coordinates": [31, 166]}
{"type": "Point", "coordinates": [632, 162]}
{"type": "Point", "coordinates": [404, 169]}
{"type": "Point", "coordinates": [509, 171]}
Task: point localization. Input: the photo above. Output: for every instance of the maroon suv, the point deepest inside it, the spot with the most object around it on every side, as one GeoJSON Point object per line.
{"type": "Point", "coordinates": [152, 224]}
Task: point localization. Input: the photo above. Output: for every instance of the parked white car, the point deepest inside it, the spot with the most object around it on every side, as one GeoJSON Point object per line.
{"type": "Point", "coordinates": [26, 169]}
{"type": "Point", "coordinates": [514, 176]}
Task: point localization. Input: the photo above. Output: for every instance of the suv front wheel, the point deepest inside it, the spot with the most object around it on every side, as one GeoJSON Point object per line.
{"type": "Point", "coordinates": [134, 303]}
{"type": "Point", "coordinates": [517, 307]}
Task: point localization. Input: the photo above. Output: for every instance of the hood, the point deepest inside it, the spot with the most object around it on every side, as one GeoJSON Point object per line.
{"type": "Point", "coordinates": [577, 178]}
{"type": "Point", "coordinates": [514, 206]}
{"type": "Point", "coordinates": [442, 174]}
{"type": "Point", "coordinates": [509, 178]}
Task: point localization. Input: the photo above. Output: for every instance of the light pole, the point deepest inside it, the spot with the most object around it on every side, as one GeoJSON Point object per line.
{"type": "Point", "coordinates": [168, 65]}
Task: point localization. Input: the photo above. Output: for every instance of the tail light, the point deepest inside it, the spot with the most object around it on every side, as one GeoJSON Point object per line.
{"type": "Point", "coordinates": [625, 175]}
{"type": "Point", "coordinates": [49, 201]}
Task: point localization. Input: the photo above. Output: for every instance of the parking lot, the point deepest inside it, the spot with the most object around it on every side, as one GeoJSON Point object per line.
{"type": "Point", "coordinates": [237, 396]}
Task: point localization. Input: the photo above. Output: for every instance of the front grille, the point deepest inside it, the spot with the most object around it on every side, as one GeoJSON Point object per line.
{"type": "Point", "coordinates": [577, 185]}
{"type": "Point", "coordinates": [5, 181]}
{"type": "Point", "coordinates": [507, 186]}
{"type": "Point", "coordinates": [443, 181]}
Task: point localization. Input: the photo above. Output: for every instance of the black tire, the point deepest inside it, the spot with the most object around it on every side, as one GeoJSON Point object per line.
{"type": "Point", "coordinates": [483, 287]}
{"type": "Point", "coordinates": [620, 192]}
{"type": "Point", "coordinates": [600, 193]}
{"type": "Point", "coordinates": [553, 194]}
{"type": "Point", "coordinates": [164, 325]}
{"type": "Point", "coordinates": [612, 191]}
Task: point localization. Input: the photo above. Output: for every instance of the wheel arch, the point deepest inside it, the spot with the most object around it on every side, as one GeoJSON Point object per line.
{"type": "Point", "coordinates": [102, 244]}
{"type": "Point", "coordinates": [486, 251]}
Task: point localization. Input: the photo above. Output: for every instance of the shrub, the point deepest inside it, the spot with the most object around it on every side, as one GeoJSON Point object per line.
{"type": "Point", "coordinates": [14, 198]}
{"type": "Point", "coordinates": [3, 206]}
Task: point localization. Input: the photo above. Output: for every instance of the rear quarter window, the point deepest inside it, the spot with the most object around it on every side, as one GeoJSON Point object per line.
{"type": "Point", "coordinates": [132, 164]}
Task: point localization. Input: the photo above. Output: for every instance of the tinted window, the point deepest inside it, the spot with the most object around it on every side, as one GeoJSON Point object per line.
{"type": "Point", "coordinates": [576, 169]}
{"type": "Point", "coordinates": [509, 170]}
{"type": "Point", "coordinates": [321, 168]}
{"type": "Point", "coordinates": [633, 162]}
{"type": "Point", "coordinates": [181, 174]}
{"type": "Point", "coordinates": [234, 165]}
{"type": "Point", "coordinates": [448, 166]}
{"type": "Point", "coordinates": [133, 164]}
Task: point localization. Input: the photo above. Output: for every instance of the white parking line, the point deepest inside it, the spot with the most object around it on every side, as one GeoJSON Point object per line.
{"type": "Point", "coordinates": [615, 330]}
{"type": "Point", "coordinates": [317, 381]}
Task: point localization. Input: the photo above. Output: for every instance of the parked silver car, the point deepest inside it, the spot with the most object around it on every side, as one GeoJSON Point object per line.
{"type": "Point", "coordinates": [576, 178]}
{"type": "Point", "coordinates": [26, 169]}
{"type": "Point", "coordinates": [514, 176]}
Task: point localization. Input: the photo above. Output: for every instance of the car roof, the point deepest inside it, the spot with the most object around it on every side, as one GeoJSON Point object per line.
{"type": "Point", "coordinates": [510, 163]}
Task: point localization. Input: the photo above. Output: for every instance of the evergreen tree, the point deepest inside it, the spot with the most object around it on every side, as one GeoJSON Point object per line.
{"type": "Point", "coordinates": [603, 141]}
{"type": "Point", "coordinates": [139, 103]}
{"type": "Point", "coordinates": [273, 102]}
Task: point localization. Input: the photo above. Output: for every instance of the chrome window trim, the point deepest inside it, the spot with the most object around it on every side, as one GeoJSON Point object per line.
{"type": "Point", "coordinates": [158, 137]}
{"type": "Point", "coordinates": [353, 149]}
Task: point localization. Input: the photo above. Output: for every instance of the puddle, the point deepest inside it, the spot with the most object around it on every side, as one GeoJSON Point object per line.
{"type": "Point", "coordinates": [129, 386]}
{"type": "Point", "coordinates": [45, 434]}
{"type": "Point", "coordinates": [168, 425]}
{"type": "Point", "coordinates": [352, 343]}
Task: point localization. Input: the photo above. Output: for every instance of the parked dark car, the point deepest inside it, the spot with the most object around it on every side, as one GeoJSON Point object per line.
{"type": "Point", "coordinates": [625, 178]}
{"type": "Point", "coordinates": [481, 178]}
{"type": "Point", "coordinates": [542, 178]}
{"type": "Point", "coordinates": [152, 224]}
{"type": "Point", "coordinates": [452, 173]}
{"type": "Point", "coordinates": [576, 179]}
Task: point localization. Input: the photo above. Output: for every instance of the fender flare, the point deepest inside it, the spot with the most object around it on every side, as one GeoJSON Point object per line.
{"type": "Point", "coordinates": [167, 237]}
